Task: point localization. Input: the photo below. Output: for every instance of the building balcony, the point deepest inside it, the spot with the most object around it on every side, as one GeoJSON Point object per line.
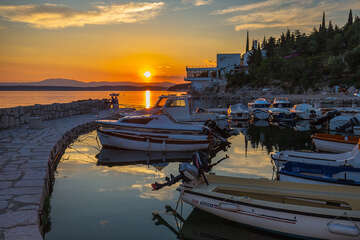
{"type": "Point", "coordinates": [199, 79]}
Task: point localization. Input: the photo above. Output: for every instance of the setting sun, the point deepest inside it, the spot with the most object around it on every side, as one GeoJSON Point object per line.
{"type": "Point", "coordinates": [147, 74]}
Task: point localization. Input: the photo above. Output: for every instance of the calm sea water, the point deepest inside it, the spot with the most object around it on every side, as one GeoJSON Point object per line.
{"type": "Point", "coordinates": [26, 98]}
{"type": "Point", "coordinates": [92, 201]}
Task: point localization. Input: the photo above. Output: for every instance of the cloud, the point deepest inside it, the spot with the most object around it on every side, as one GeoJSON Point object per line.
{"type": "Point", "coordinates": [247, 7]}
{"type": "Point", "coordinates": [197, 2]}
{"type": "Point", "coordinates": [301, 14]}
{"type": "Point", "coordinates": [52, 16]}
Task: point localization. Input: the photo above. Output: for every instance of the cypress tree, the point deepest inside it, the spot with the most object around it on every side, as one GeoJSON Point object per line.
{"type": "Point", "coordinates": [264, 42]}
{"type": "Point", "coordinates": [331, 29]}
{"type": "Point", "coordinates": [323, 27]}
{"type": "Point", "coordinates": [357, 19]}
{"type": "Point", "coordinates": [247, 41]}
{"type": "Point", "coordinates": [350, 20]}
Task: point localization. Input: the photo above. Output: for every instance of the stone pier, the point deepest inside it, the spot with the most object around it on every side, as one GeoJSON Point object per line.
{"type": "Point", "coordinates": [28, 159]}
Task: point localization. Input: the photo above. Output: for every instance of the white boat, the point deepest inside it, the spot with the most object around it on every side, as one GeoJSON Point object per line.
{"type": "Point", "coordinates": [152, 133]}
{"type": "Point", "coordinates": [293, 209]}
{"type": "Point", "coordinates": [219, 110]}
{"type": "Point", "coordinates": [334, 143]}
{"type": "Point", "coordinates": [341, 122]}
{"type": "Point", "coordinates": [238, 112]}
{"type": "Point", "coordinates": [259, 109]}
{"type": "Point", "coordinates": [330, 159]}
{"type": "Point", "coordinates": [305, 111]}
{"type": "Point", "coordinates": [281, 102]}
{"type": "Point", "coordinates": [281, 115]}
{"type": "Point", "coordinates": [180, 108]}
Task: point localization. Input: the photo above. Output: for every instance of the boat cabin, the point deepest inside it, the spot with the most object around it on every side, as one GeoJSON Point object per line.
{"type": "Point", "coordinates": [281, 103]}
{"type": "Point", "coordinates": [259, 103]}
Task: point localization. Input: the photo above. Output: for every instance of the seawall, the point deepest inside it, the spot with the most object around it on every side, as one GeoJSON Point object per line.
{"type": "Point", "coordinates": [29, 155]}
{"type": "Point", "coordinates": [16, 116]}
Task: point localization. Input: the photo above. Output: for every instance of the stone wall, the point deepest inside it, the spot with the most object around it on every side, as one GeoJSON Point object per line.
{"type": "Point", "coordinates": [16, 116]}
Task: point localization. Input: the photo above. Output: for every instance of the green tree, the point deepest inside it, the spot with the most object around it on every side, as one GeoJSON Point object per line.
{"type": "Point", "coordinates": [350, 19]}
{"type": "Point", "coordinates": [336, 65]}
{"type": "Point", "coordinates": [330, 28]}
{"type": "Point", "coordinates": [247, 41]}
{"type": "Point", "coordinates": [352, 58]}
{"type": "Point", "coordinates": [323, 27]}
{"type": "Point", "coordinates": [335, 44]}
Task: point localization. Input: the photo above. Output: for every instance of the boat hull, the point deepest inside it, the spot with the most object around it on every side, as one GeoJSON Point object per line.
{"type": "Point", "coordinates": [288, 178]}
{"type": "Point", "coordinates": [282, 222]}
{"type": "Point", "coordinates": [149, 143]}
{"type": "Point", "coordinates": [332, 146]}
{"type": "Point", "coordinates": [260, 114]}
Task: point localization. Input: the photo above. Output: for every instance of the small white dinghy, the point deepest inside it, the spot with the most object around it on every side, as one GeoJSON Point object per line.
{"type": "Point", "coordinates": [330, 159]}
{"type": "Point", "coordinates": [293, 209]}
{"type": "Point", "coordinates": [334, 143]}
{"type": "Point", "coordinates": [152, 133]}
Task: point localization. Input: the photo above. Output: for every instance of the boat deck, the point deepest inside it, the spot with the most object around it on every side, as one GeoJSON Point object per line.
{"type": "Point", "coordinates": [297, 194]}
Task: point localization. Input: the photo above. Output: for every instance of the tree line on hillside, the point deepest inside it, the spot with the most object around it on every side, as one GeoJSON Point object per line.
{"type": "Point", "coordinates": [296, 61]}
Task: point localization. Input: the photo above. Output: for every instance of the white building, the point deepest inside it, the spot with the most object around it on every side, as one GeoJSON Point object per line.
{"type": "Point", "coordinates": [201, 78]}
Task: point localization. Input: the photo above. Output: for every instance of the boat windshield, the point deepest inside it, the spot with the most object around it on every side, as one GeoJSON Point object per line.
{"type": "Point", "coordinates": [256, 105]}
{"type": "Point", "coordinates": [281, 105]}
{"type": "Point", "coordinates": [161, 102]}
{"type": "Point", "coordinates": [176, 103]}
{"type": "Point", "coordinates": [143, 120]}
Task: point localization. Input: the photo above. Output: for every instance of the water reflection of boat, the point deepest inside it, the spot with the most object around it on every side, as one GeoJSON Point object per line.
{"type": "Point", "coordinates": [200, 225]}
{"type": "Point", "coordinates": [276, 139]}
{"type": "Point", "coordinates": [114, 157]}
{"type": "Point", "coordinates": [260, 123]}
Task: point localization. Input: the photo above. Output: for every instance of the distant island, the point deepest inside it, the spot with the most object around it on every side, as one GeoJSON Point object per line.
{"type": "Point", "coordinates": [62, 84]}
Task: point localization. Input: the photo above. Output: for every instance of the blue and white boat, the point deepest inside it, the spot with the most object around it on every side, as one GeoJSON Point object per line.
{"type": "Point", "coordinates": [319, 174]}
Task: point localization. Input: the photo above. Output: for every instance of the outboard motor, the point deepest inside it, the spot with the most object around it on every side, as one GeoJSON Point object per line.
{"type": "Point", "coordinates": [351, 123]}
{"type": "Point", "coordinates": [328, 116]}
{"type": "Point", "coordinates": [190, 171]}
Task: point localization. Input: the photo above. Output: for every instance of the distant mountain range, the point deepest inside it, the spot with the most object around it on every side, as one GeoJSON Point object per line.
{"type": "Point", "coordinates": [63, 82]}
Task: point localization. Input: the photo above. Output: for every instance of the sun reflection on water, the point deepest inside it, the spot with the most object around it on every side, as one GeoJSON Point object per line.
{"type": "Point", "coordinates": [147, 98]}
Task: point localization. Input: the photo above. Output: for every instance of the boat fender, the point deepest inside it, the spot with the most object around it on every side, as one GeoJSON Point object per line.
{"type": "Point", "coordinates": [343, 229]}
{"type": "Point", "coordinates": [228, 206]}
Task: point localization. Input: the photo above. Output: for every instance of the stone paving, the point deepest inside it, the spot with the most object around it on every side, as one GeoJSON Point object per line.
{"type": "Point", "coordinates": [24, 155]}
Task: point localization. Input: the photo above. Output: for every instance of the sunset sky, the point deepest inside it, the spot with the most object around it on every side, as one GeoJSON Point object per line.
{"type": "Point", "coordinates": [121, 40]}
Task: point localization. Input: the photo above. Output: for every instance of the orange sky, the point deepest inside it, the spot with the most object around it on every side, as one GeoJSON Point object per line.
{"type": "Point", "coordinates": [116, 40]}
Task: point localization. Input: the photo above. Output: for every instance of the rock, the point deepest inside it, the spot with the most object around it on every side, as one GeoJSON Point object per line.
{"type": "Point", "coordinates": [30, 232]}
{"type": "Point", "coordinates": [14, 218]}
{"type": "Point", "coordinates": [4, 121]}
{"type": "Point", "coordinates": [29, 199]}
{"type": "Point", "coordinates": [35, 123]}
{"type": "Point", "coordinates": [3, 204]}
